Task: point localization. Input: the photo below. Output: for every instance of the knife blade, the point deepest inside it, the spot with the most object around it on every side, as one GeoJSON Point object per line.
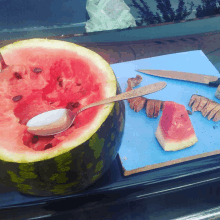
{"type": "Point", "coordinates": [213, 81]}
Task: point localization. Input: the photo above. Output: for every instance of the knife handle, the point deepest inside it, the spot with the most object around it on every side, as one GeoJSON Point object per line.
{"type": "Point", "coordinates": [215, 83]}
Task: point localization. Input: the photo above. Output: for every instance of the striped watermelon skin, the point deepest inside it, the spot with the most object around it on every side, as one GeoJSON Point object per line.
{"type": "Point", "coordinates": [73, 171]}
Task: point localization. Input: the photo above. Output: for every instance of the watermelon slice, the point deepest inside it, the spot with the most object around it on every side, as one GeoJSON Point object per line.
{"type": "Point", "coordinates": [175, 130]}
{"type": "Point", "coordinates": [41, 75]}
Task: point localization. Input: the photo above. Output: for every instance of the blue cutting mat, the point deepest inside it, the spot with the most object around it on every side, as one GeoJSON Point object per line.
{"type": "Point", "coordinates": [140, 150]}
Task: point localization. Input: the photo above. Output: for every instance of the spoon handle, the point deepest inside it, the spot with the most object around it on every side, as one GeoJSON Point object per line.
{"type": "Point", "coordinates": [128, 95]}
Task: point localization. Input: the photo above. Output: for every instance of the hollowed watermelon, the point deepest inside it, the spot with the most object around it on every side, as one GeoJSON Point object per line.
{"type": "Point", "coordinates": [175, 130]}
{"type": "Point", "coordinates": [43, 75]}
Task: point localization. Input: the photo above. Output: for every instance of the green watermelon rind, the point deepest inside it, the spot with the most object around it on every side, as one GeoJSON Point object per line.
{"type": "Point", "coordinates": [98, 121]}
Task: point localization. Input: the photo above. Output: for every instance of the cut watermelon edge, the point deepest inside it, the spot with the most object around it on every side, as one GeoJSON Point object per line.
{"type": "Point", "coordinates": [101, 115]}
{"type": "Point", "coordinates": [171, 145]}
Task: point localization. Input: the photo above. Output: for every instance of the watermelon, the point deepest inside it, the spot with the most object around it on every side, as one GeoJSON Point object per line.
{"type": "Point", "coordinates": [175, 130]}
{"type": "Point", "coordinates": [42, 75]}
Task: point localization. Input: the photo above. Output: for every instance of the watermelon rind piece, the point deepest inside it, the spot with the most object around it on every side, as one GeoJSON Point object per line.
{"type": "Point", "coordinates": [169, 145]}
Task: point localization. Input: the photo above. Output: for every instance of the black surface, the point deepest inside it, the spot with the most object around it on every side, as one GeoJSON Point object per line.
{"type": "Point", "coordinates": [113, 186]}
{"type": "Point", "coordinates": [184, 196]}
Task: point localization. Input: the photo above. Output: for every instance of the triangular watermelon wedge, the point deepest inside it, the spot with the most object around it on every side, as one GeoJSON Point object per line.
{"type": "Point", "coordinates": [175, 130]}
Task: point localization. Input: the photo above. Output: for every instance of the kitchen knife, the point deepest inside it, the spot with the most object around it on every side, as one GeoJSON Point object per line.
{"type": "Point", "coordinates": [213, 81]}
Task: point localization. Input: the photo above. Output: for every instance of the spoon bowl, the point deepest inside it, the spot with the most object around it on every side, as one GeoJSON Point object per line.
{"type": "Point", "coordinates": [59, 120]}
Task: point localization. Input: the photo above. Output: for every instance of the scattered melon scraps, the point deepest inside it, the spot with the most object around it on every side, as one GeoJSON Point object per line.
{"type": "Point", "coordinates": [207, 107]}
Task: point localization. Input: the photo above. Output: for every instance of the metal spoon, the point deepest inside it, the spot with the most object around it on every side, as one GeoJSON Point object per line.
{"type": "Point", "coordinates": [56, 121]}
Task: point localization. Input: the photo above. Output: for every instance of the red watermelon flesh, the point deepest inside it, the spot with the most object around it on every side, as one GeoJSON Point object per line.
{"type": "Point", "coordinates": [40, 79]}
{"type": "Point", "coordinates": [175, 130]}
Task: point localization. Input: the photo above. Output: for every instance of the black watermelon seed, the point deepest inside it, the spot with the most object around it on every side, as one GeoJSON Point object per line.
{"type": "Point", "coordinates": [17, 98]}
{"type": "Point", "coordinates": [72, 125]}
{"type": "Point", "coordinates": [4, 65]}
{"type": "Point", "coordinates": [48, 146]}
{"type": "Point", "coordinates": [37, 70]}
{"type": "Point", "coordinates": [35, 139]}
{"type": "Point", "coordinates": [70, 105]}
{"type": "Point", "coordinates": [17, 75]}
{"type": "Point", "coordinates": [60, 81]}
{"type": "Point", "coordinates": [76, 105]}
